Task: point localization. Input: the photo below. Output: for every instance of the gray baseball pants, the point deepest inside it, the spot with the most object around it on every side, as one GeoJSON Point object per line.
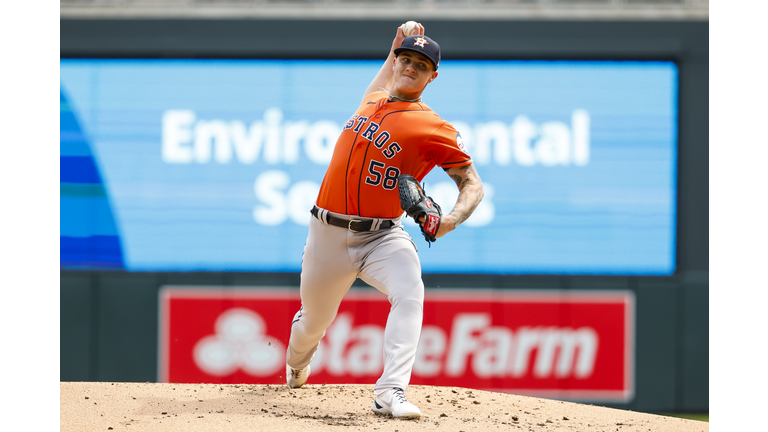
{"type": "Point", "coordinates": [385, 259]}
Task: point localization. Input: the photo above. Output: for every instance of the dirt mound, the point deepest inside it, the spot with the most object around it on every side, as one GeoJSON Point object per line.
{"type": "Point", "coordinates": [138, 407]}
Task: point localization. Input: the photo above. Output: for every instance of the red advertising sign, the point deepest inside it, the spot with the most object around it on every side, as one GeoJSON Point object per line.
{"type": "Point", "coordinates": [575, 345]}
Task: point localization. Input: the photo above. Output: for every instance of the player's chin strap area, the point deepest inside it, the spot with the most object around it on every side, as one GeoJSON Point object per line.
{"type": "Point", "coordinates": [355, 225]}
{"type": "Point", "coordinates": [392, 97]}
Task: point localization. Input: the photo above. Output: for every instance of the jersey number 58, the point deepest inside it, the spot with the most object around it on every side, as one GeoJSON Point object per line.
{"type": "Point", "coordinates": [389, 177]}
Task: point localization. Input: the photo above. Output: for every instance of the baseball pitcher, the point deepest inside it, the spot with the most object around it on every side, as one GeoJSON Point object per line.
{"type": "Point", "coordinates": [385, 149]}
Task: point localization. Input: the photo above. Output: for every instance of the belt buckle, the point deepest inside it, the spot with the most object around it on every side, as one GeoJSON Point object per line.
{"type": "Point", "coordinates": [349, 225]}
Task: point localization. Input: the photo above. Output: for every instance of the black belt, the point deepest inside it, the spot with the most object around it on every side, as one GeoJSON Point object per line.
{"type": "Point", "coordinates": [353, 224]}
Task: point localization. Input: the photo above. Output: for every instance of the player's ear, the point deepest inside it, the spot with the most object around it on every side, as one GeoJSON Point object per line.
{"type": "Point", "coordinates": [434, 75]}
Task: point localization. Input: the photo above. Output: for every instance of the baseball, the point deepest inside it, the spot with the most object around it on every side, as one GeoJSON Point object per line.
{"type": "Point", "coordinates": [409, 28]}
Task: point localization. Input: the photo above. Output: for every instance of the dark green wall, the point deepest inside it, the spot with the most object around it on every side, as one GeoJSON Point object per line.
{"type": "Point", "coordinates": [109, 320]}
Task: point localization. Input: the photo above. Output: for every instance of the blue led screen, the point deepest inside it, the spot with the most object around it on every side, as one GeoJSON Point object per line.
{"type": "Point", "coordinates": [213, 165]}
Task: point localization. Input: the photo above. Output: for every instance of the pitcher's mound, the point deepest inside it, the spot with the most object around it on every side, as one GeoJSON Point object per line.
{"type": "Point", "coordinates": [136, 407]}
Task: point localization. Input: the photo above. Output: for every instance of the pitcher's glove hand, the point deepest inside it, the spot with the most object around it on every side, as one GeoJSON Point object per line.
{"type": "Point", "coordinates": [416, 204]}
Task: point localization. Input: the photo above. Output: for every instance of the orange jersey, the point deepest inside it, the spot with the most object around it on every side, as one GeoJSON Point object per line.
{"type": "Point", "coordinates": [379, 142]}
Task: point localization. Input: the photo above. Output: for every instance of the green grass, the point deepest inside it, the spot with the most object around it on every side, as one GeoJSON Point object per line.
{"type": "Point", "coordinates": [696, 416]}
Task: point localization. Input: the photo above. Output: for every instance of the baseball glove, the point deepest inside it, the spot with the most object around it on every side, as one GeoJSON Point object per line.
{"type": "Point", "coordinates": [416, 204]}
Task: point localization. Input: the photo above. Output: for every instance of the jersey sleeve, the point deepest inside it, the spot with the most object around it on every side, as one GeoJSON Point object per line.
{"type": "Point", "coordinates": [447, 147]}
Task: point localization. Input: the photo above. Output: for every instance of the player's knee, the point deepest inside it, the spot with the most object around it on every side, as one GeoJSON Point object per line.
{"type": "Point", "coordinates": [313, 323]}
{"type": "Point", "coordinates": [412, 301]}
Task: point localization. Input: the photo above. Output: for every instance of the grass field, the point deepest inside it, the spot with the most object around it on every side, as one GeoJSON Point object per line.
{"type": "Point", "coordinates": [694, 416]}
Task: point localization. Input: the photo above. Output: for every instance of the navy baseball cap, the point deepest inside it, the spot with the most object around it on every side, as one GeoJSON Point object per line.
{"type": "Point", "coordinates": [421, 44]}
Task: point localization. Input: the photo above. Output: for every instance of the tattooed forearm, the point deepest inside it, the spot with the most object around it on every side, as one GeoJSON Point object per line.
{"type": "Point", "coordinates": [461, 210]}
{"type": "Point", "coordinates": [470, 192]}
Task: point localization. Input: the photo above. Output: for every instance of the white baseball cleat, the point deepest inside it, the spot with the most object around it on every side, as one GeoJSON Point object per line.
{"type": "Point", "coordinates": [393, 402]}
{"type": "Point", "coordinates": [296, 377]}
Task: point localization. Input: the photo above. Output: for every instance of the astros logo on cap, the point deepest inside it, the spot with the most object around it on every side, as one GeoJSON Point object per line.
{"type": "Point", "coordinates": [420, 42]}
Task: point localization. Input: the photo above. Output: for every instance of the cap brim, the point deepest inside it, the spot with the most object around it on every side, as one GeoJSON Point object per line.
{"type": "Point", "coordinates": [401, 49]}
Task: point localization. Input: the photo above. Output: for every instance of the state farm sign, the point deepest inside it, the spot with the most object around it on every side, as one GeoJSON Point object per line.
{"type": "Point", "coordinates": [575, 345]}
